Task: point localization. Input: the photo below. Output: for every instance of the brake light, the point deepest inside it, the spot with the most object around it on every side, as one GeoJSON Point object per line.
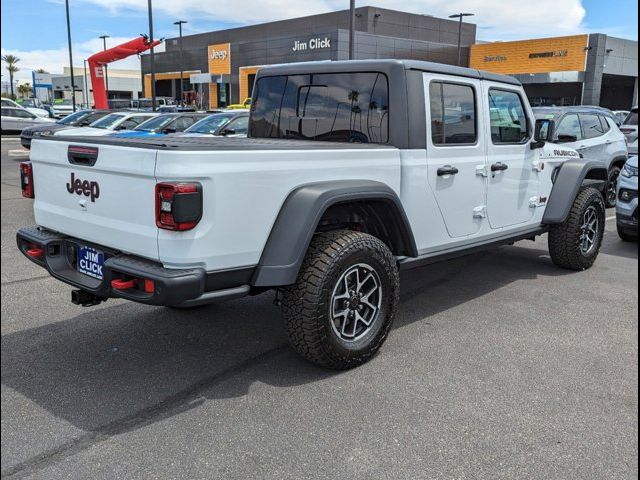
{"type": "Point", "coordinates": [178, 205]}
{"type": "Point", "coordinates": [26, 180]}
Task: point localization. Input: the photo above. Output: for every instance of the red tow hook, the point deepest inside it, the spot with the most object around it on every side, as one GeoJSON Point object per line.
{"type": "Point", "coordinates": [120, 284]}
{"type": "Point", "coordinates": [35, 252]}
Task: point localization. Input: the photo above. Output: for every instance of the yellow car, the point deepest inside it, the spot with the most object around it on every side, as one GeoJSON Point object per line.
{"type": "Point", "coordinates": [241, 106]}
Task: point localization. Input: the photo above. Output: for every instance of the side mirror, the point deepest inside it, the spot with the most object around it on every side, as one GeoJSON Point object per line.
{"type": "Point", "coordinates": [567, 138]}
{"type": "Point", "coordinates": [542, 133]}
{"type": "Point", "coordinates": [227, 131]}
{"type": "Point", "coordinates": [169, 130]}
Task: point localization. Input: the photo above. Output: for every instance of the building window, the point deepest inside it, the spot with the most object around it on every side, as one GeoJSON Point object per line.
{"type": "Point", "coordinates": [453, 114]}
{"type": "Point", "coordinates": [346, 107]}
{"type": "Point", "coordinates": [509, 122]}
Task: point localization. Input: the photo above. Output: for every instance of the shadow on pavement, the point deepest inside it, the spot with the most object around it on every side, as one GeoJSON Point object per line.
{"type": "Point", "coordinates": [117, 369]}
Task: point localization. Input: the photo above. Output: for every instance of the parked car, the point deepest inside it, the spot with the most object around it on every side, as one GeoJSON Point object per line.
{"type": "Point", "coordinates": [227, 124]}
{"type": "Point", "coordinates": [328, 225]}
{"type": "Point", "coordinates": [163, 124]}
{"type": "Point", "coordinates": [146, 104]}
{"type": "Point", "coordinates": [39, 112]}
{"type": "Point", "coordinates": [627, 207]}
{"type": "Point", "coordinates": [81, 118]}
{"type": "Point", "coordinates": [630, 130]}
{"type": "Point", "coordinates": [593, 134]}
{"type": "Point", "coordinates": [621, 115]}
{"type": "Point", "coordinates": [62, 108]}
{"type": "Point", "coordinates": [16, 119]}
{"type": "Point", "coordinates": [109, 124]}
{"type": "Point", "coordinates": [32, 104]}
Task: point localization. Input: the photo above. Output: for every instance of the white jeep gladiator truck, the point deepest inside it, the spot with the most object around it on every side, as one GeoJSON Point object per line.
{"type": "Point", "coordinates": [352, 172]}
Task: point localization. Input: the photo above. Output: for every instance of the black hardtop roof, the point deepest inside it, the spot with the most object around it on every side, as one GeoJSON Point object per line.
{"type": "Point", "coordinates": [383, 65]}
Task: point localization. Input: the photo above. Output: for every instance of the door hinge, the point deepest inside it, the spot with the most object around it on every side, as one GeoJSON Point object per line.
{"type": "Point", "coordinates": [537, 202]}
{"type": "Point", "coordinates": [481, 171]}
{"type": "Point", "coordinates": [538, 166]}
{"type": "Point", "coordinates": [480, 212]}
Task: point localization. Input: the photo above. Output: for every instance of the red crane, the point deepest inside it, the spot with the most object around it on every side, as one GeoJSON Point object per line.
{"type": "Point", "coordinates": [98, 60]}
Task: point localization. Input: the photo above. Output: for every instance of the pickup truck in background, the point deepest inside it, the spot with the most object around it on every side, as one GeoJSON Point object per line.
{"type": "Point", "coordinates": [352, 172]}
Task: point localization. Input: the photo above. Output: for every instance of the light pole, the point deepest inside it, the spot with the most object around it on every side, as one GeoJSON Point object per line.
{"type": "Point", "coordinates": [179, 23]}
{"type": "Point", "coordinates": [85, 90]}
{"type": "Point", "coordinates": [460, 16]}
{"type": "Point", "coordinates": [151, 58]}
{"type": "Point", "coordinates": [352, 28]}
{"type": "Point", "coordinates": [106, 77]}
{"type": "Point", "coordinates": [73, 82]}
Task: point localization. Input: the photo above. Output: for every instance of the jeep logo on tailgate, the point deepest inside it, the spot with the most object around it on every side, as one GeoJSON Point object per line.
{"type": "Point", "coordinates": [83, 187]}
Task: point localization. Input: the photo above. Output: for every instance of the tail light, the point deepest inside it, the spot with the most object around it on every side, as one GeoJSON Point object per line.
{"type": "Point", "coordinates": [26, 180]}
{"type": "Point", "coordinates": [178, 205]}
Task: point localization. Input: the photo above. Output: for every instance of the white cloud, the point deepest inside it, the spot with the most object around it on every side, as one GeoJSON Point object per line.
{"type": "Point", "coordinates": [496, 19]}
{"type": "Point", "coordinates": [54, 60]}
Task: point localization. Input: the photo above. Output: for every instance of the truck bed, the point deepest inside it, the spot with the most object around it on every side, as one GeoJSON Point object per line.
{"type": "Point", "coordinates": [216, 143]}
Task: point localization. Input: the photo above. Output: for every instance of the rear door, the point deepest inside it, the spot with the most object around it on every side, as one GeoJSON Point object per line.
{"type": "Point", "coordinates": [104, 194]}
{"type": "Point", "coordinates": [512, 180]}
{"type": "Point", "coordinates": [455, 152]}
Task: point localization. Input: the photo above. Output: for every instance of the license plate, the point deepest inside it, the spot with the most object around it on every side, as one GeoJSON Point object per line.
{"type": "Point", "coordinates": [90, 262]}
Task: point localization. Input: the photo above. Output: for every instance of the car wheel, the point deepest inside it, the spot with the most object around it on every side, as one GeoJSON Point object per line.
{"type": "Point", "coordinates": [575, 244]}
{"type": "Point", "coordinates": [612, 187]}
{"type": "Point", "coordinates": [339, 312]}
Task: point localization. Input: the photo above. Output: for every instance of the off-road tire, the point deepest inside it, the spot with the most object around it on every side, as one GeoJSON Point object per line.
{"type": "Point", "coordinates": [564, 238]}
{"type": "Point", "coordinates": [626, 236]}
{"type": "Point", "coordinates": [306, 305]}
{"type": "Point", "coordinates": [611, 195]}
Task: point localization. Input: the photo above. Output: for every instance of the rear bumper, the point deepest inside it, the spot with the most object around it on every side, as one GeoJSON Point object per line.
{"type": "Point", "coordinates": [171, 287]}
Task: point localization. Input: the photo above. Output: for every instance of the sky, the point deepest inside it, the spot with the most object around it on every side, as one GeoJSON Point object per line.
{"type": "Point", "coordinates": [35, 30]}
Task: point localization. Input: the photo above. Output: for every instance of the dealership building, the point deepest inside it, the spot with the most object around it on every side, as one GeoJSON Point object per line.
{"type": "Point", "coordinates": [223, 64]}
{"type": "Point", "coordinates": [594, 69]}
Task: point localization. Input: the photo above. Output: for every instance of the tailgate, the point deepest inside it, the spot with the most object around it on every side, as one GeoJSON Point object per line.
{"type": "Point", "coordinates": [108, 200]}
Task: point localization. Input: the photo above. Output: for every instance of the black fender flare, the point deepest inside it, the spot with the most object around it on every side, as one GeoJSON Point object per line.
{"type": "Point", "coordinates": [300, 215]}
{"type": "Point", "coordinates": [619, 159]}
{"type": "Point", "coordinates": [573, 175]}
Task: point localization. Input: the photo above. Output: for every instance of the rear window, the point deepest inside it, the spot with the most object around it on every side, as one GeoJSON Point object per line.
{"type": "Point", "coordinates": [632, 118]}
{"type": "Point", "coordinates": [345, 107]}
{"type": "Point", "coordinates": [591, 126]}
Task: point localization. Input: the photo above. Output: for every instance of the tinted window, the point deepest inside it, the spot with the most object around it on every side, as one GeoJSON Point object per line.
{"type": "Point", "coordinates": [74, 118]}
{"type": "Point", "coordinates": [239, 125]}
{"type": "Point", "coordinates": [509, 122]}
{"type": "Point", "coordinates": [19, 113]}
{"type": "Point", "coordinates": [591, 126]}
{"type": "Point", "coordinates": [347, 107]}
{"type": "Point", "coordinates": [182, 123]}
{"type": "Point", "coordinates": [632, 118]}
{"type": "Point", "coordinates": [210, 124]}
{"type": "Point", "coordinates": [453, 114]}
{"type": "Point", "coordinates": [604, 122]}
{"type": "Point", "coordinates": [569, 126]}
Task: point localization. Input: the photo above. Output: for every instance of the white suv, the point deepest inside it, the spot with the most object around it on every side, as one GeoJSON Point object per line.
{"type": "Point", "coordinates": [593, 134]}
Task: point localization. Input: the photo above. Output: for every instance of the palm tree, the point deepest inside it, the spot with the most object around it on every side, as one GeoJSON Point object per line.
{"type": "Point", "coordinates": [41, 70]}
{"type": "Point", "coordinates": [12, 68]}
{"type": "Point", "coordinates": [24, 89]}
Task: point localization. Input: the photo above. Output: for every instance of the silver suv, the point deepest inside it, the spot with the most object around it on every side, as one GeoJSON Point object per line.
{"type": "Point", "coordinates": [593, 134]}
{"type": "Point", "coordinates": [630, 129]}
{"type": "Point", "coordinates": [627, 207]}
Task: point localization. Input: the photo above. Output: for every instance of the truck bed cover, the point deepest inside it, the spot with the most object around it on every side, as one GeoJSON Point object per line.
{"type": "Point", "coordinates": [215, 143]}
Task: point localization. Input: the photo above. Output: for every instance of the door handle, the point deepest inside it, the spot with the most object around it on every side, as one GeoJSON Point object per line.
{"type": "Point", "coordinates": [499, 167]}
{"type": "Point", "coordinates": [447, 170]}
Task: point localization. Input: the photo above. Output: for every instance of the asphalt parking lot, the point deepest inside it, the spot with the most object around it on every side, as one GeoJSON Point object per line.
{"type": "Point", "coordinates": [499, 366]}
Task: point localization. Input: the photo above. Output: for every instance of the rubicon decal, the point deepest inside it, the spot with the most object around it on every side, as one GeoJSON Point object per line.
{"type": "Point", "coordinates": [83, 187]}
